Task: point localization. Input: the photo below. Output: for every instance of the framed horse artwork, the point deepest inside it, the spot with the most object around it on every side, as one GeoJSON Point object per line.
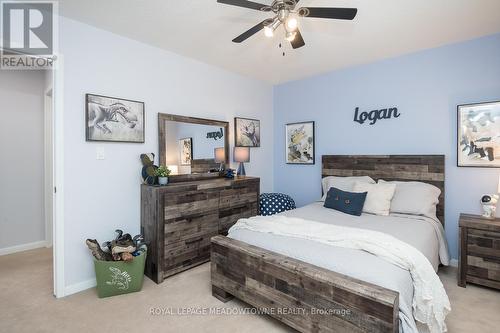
{"type": "Point", "coordinates": [113, 119]}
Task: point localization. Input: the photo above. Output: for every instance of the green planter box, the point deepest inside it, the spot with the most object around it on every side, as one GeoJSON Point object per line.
{"type": "Point", "coordinates": [119, 277]}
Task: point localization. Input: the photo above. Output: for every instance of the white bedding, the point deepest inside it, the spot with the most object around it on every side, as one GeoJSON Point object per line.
{"type": "Point", "coordinates": [422, 233]}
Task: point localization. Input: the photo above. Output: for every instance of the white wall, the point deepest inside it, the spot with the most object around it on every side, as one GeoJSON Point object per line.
{"type": "Point", "coordinates": [103, 195]}
{"type": "Point", "coordinates": [22, 224]}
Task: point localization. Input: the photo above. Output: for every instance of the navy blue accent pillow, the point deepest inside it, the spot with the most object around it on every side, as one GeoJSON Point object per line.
{"type": "Point", "coordinates": [346, 202]}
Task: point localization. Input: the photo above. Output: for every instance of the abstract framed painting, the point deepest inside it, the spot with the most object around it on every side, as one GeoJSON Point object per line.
{"type": "Point", "coordinates": [113, 119]}
{"type": "Point", "coordinates": [478, 135]}
{"type": "Point", "coordinates": [246, 132]}
{"type": "Point", "coordinates": [300, 143]}
{"type": "Point", "coordinates": [186, 150]}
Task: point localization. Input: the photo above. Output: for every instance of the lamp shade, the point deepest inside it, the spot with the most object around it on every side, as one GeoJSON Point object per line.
{"type": "Point", "coordinates": [220, 155]}
{"type": "Point", "coordinates": [241, 154]}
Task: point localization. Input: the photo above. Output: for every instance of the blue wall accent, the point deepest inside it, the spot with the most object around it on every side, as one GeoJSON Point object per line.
{"type": "Point", "coordinates": [426, 87]}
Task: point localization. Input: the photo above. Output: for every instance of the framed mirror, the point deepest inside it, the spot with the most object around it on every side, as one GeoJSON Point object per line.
{"type": "Point", "coordinates": [192, 148]}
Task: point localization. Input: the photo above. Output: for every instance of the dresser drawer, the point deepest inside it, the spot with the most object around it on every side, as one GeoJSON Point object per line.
{"type": "Point", "coordinates": [190, 203]}
{"type": "Point", "coordinates": [238, 196]}
{"type": "Point", "coordinates": [189, 227]}
{"type": "Point", "coordinates": [188, 253]}
{"type": "Point", "coordinates": [485, 268]}
{"type": "Point", "coordinates": [483, 256]}
{"type": "Point", "coordinates": [189, 245]}
{"type": "Point", "coordinates": [483, 243]}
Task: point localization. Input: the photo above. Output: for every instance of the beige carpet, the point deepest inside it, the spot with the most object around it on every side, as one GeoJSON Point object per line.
{"type": "Point", "coordinates": [27, 304]}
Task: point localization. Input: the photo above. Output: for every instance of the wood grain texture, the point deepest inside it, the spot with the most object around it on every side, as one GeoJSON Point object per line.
{"type": "Point", "coordinates": [462, 260]}
{"type": "Point", "coordinates": [179, 219]}
{"type": "Point", "coordinates": [151, 213]}
{"type": "Point", "coordinates": [203, 165]}
{"type": "Point", "coordinates": [476, 221]}
{"type": "Point", "coordinates": [479, 251]}
{"type": "Point", "coordinates": [423, 168]}
{"type": "Point", "coordinates": [303, 296]}
{"type": "Point", "coordinates": [162, 140]}
{"type": "Point", "coordinates": [229, 216]}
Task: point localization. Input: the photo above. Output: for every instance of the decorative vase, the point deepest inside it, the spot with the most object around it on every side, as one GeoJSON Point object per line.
{"type": "Point", "coordinates": [163, 181]}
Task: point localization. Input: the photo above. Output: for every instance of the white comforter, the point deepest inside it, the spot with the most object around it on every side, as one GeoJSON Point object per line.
{"type": "Point", "coordinates": [407, 270]}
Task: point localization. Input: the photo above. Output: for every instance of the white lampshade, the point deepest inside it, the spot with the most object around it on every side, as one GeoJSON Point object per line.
{"type": "Point", "coordinates": [498, 189]}
{"type": "Point", "coordinates": [242, 154]}
{"type": "Point", "coordinates": [220, 155]}
{"type": "Point", "coordinates": [174, 169]}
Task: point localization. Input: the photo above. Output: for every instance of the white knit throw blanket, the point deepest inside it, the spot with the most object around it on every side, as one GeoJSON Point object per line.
{"type": "Point", "coordinates": [430, 301]}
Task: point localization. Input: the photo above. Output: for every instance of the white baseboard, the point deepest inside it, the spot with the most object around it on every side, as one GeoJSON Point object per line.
{"type": "Point", "coordinates": [23, 247]}
{"type": "Point", "coordinates": [454, 262]}
{"type": "Point", "coordinates": [81, 286]}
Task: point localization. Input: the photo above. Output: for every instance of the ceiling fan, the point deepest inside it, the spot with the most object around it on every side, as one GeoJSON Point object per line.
{"type": "Point", "coordinates": [286, 15]}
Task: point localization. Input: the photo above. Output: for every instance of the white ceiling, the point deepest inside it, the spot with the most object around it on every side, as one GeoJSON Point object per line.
{"type": "Point", "coordinates": [203, 29]}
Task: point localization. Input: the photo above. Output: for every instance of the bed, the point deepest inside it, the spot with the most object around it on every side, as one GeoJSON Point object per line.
{"type": "Point", "coordinates": [341, 290]}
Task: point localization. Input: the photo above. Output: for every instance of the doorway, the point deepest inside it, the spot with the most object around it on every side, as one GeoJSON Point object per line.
{"type": "Point", "coordinates": [27, 177]}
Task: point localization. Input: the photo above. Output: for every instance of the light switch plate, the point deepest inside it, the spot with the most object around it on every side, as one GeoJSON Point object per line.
{"type": "Point", "coordinates": [99, 153]}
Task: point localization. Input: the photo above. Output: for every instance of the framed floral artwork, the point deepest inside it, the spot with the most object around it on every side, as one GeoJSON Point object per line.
{"type": "Point", "coordinates": [478, 135]}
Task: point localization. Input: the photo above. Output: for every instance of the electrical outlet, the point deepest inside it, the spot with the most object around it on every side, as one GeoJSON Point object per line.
{"type": "Point", "coordinates": [99, 153]}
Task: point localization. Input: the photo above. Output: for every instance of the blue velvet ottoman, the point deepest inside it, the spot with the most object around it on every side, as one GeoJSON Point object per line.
{"type": "Point", "coordinates": [274, 203]}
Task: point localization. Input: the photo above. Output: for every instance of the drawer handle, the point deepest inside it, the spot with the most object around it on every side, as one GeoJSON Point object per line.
{"type": "Point", "coordinates": [194, 241]}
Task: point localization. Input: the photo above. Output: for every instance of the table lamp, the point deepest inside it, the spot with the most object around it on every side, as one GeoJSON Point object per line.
{"type": "Point", "coordinates": [241, 155]}
{"type": "Point", "coordinates": [220, 157]}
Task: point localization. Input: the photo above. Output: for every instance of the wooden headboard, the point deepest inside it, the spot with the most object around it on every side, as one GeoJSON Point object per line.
{"type": "Point", "coordinates": [422, 168]}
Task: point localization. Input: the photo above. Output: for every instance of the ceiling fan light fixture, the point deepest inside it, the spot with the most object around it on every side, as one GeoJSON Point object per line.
{"type": "Point", "coordinates": [268, 31]}
{"type": "Point", "coordinates": [286, 13]}
{"type": "Point", "coordinates": [292, 24]}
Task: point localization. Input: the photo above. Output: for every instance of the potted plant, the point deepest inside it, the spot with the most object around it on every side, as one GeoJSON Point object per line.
{"type": "Point", "coordinates": [162, 173]}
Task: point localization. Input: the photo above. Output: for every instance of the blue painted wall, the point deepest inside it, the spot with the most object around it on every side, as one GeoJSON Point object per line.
{"type": "Point", "coordinates": [426, 87]}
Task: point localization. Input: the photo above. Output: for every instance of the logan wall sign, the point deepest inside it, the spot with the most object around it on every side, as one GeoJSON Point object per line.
{"type": "Point", "coordinates": [215, 135]}
{"type": "Point", "coordinates": [375, 115]}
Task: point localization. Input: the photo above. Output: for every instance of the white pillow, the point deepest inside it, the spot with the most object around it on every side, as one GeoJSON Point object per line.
{"type": "Point", "coordinates": [343, 183]}
{"type": "Point", "coordinates": [378, 199]}
{"type": "Point", "coordinates": [414, 198]}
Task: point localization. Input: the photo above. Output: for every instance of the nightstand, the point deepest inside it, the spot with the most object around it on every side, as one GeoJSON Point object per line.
{"type": "Point", "coordinates": [479, 260]}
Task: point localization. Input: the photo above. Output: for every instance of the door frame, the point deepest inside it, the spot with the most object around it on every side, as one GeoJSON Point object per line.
{"type": "Point", "coordinates": [58, 177]}
{"type": "Point", "coordinates": [48, 161]}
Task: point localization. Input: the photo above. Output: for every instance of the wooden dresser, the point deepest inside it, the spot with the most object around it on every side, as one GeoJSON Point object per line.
{"type": "Point", "coordinates": [479, 260]}
{"type": "Point", "coordinates": [179, 219]}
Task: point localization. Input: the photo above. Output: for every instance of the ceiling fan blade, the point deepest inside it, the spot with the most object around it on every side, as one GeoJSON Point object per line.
{"type": "Point", "coordinates": [298, 41]}
{"type": "Point", "coordinates": [250, 32]}
{"type": "Point", "coordinates": [329, 13]}
{"type": "Point", "coordinates": [243, 3]}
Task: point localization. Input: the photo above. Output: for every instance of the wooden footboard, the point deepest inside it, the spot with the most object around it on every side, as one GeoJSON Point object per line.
{"type": "Point", "coordinates": [303, 296]}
